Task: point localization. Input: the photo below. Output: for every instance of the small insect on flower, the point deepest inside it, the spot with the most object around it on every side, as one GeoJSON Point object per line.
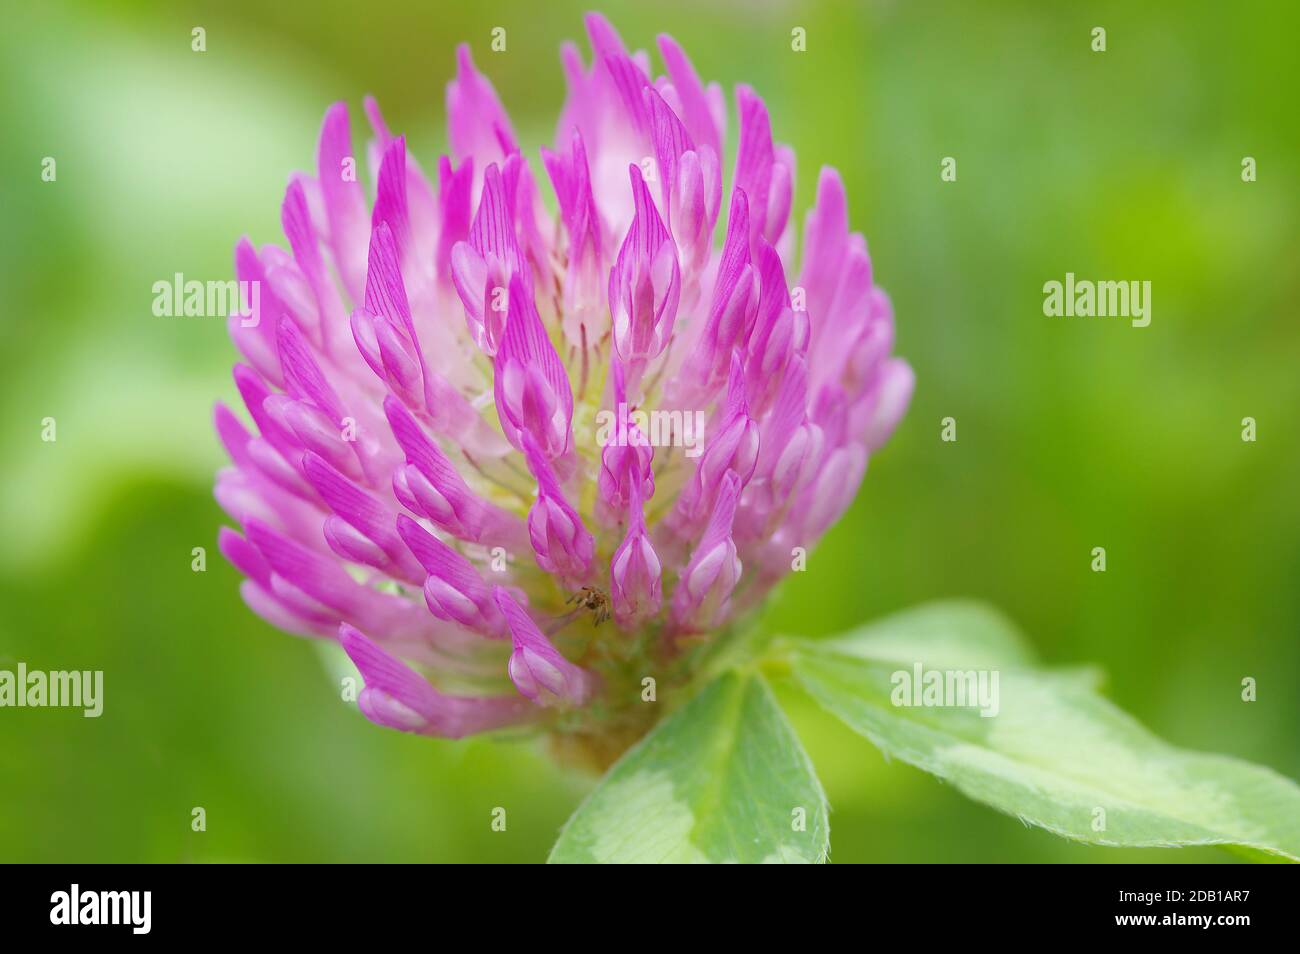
{"type": "Point", "coordinates": [419, 482]}
{"type": "Point", "coordinates": [594, 599]}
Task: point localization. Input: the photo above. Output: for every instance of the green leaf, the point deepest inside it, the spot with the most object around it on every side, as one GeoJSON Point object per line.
{"type": "Point", "coordinates": [951, 632]}
{"type": "Point", "coordinates": [1055, 754]}
{"type": "Point", "coordinates": [722, 780]}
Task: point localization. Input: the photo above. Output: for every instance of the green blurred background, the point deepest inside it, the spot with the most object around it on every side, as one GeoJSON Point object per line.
{"type": "Point", "coordinates": [1071, 434]}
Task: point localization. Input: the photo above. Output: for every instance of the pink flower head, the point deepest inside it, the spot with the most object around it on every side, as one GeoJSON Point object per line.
{"type": "Point", "coordinates": [514, 464]}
